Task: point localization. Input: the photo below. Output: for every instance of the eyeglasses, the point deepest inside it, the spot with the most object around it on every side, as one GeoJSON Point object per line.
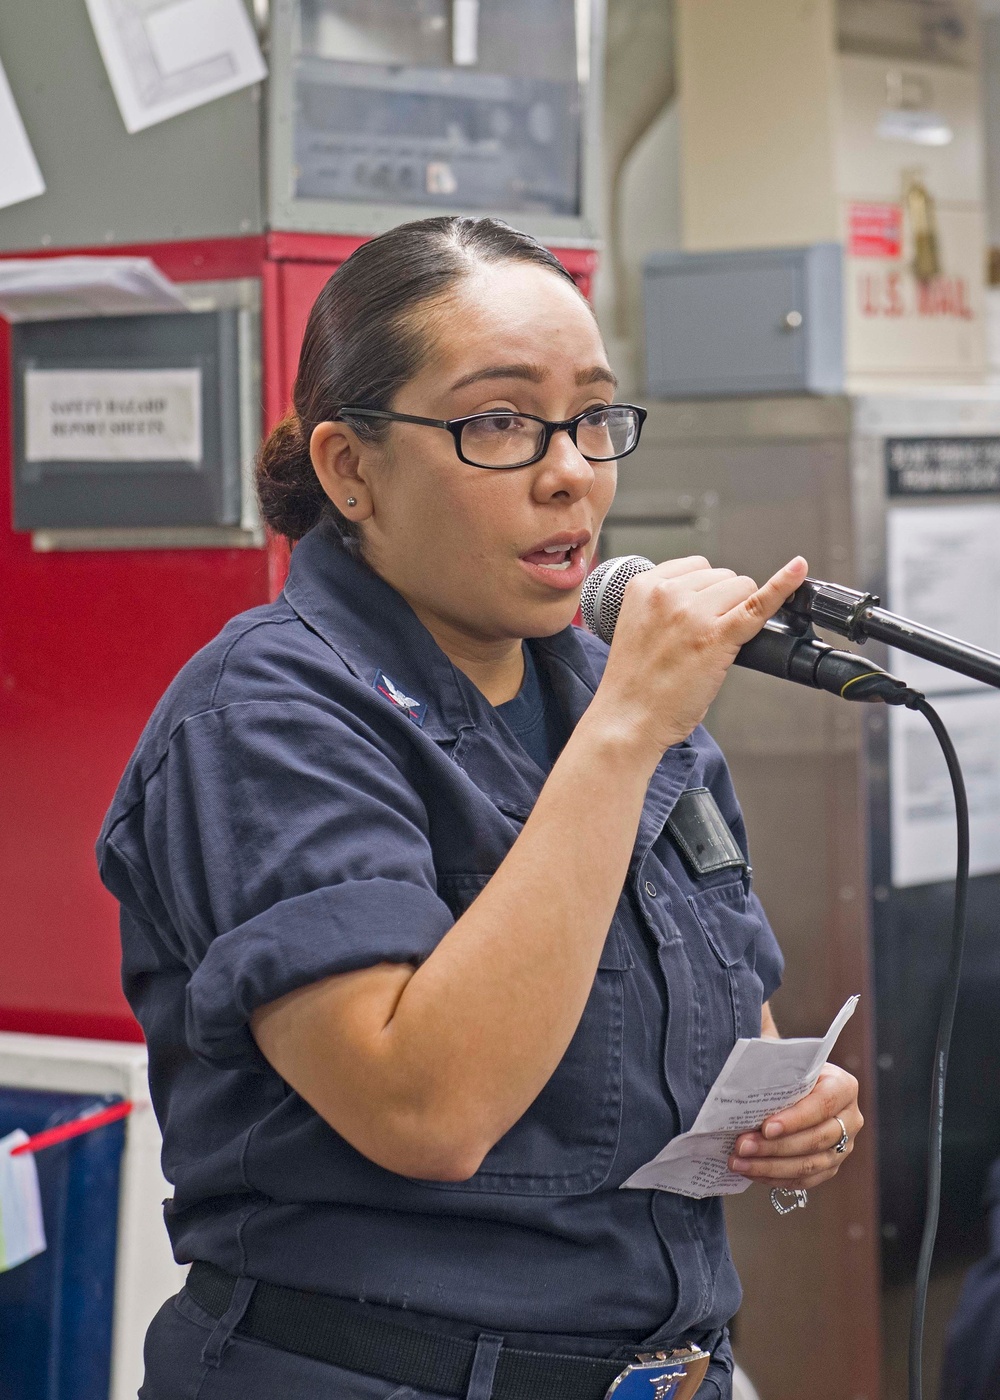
{"type": "Point", "coordinates": [502, 439]}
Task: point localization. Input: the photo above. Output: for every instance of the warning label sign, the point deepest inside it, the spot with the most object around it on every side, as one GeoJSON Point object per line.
{"type": "Point", "coordinates": [875, 230]}
{"type": "Point", "coordinates": [113, 415]}
{"type": "Point", "coordinates": [942, 466]}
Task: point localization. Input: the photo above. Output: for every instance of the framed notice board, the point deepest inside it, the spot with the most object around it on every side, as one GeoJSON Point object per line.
{"type": "Point", "coordinates": [127, 421]}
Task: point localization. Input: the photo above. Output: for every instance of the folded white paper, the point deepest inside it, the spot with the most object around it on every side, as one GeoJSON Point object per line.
{"type": "Point", "coordinates": [20, 177]}
{"type": "Point", "coordinates": [52, 289]}
{"type": "Point", "coordinates": [166, 56]}
{"type": "Point", "coordinates": [760, 1077]}
{"type": "Point", "coordinates": [22, 1232]}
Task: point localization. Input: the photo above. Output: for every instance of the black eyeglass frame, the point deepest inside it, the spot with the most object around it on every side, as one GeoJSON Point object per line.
{"type": "Point", "coordinates": [456, 425]}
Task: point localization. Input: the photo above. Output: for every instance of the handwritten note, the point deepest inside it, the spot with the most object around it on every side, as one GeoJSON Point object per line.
{"type": "Point", "coordinates": [760, 1077]}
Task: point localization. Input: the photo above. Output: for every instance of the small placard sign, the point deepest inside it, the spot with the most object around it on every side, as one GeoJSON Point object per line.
{"type": "Point", "coordinates": [942, 466]}
{"type": "Point", "coordinates": [112, 415]}
{"type": "Point", "coordinates": [875, 230]}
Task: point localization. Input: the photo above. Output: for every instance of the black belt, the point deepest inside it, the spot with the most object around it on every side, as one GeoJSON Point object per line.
{"type": "Point", "coordinates": [338, 1332]}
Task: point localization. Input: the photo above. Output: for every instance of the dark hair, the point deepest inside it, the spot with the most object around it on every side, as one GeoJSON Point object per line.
{"type": "Point", "coordinates": [361, 345]}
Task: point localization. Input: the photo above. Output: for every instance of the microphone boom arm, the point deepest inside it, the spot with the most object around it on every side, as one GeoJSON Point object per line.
{"type": "Point", "coordinates": [858, 617]}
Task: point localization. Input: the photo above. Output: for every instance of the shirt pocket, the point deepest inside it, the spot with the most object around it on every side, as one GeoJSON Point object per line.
{"type": "Point", "coordinates": [565, 1142]}
{"type": "Point", "coordinates": [731, 928]}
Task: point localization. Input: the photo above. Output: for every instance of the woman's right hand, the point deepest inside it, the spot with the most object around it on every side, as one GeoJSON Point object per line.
{"type": "Point", "coordinates": [680, 627]}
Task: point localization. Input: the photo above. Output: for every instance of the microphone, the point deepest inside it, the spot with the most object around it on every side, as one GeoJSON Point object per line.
{"type": "Point", "coordinates": [786, 648]}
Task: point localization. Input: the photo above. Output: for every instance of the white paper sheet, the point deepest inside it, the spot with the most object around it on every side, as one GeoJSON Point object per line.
{"type": "Point", "coordinates": [943, 565]}
{"type": "Point", "coordinates": [465, 32]}
{"type": "Point", "coordinates": [112, 415]}
{"type": "Point", "coordinates": [53, 289]}
{"type": "Point", "coordinates": [921, 801]}
{"type": "Point", "coordinates": [20, 177]}
{"type": "Point", "coordinates": [760, 1077]}
{"type": "Point", "coordinates": [166, 56]}
{"type": "Point", "coordinates": [22, 1230]}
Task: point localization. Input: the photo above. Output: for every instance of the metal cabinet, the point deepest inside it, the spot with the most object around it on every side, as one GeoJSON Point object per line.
{"type": "Point", "coordinates": [378, 113]}
{"type": "Point", "coordinates": [757, 321]}
{"type": "Point", "coordinates": [749, 482]}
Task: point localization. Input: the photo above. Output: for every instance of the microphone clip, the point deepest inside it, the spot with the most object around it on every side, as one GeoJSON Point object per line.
{"type": "Point", "coordinates": [788, 647]}
{"type": "Point", "coordinates": [830, 605]}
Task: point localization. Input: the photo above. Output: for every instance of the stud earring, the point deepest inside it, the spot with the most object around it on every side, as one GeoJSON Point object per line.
{"type": "Point", "coordinates": [352, 501]}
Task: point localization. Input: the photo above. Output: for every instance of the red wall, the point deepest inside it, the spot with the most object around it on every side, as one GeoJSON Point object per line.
{"type": "Point", "coordinates": [88, 643]}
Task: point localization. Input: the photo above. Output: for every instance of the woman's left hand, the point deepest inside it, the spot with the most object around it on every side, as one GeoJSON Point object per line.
{"type": "Point", "coordinates": [797, 1147]}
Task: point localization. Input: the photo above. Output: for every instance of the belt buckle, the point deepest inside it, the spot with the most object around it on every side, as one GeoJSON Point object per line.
{"type": "Point", "coordinates": [661, 1375]}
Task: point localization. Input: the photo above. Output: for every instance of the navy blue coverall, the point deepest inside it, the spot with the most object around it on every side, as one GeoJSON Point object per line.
{"type": "Point", "coordinates": [321, 790]}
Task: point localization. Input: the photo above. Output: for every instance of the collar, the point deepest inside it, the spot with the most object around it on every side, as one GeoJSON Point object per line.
{"type": "Point", "coordinates": [373, 629]}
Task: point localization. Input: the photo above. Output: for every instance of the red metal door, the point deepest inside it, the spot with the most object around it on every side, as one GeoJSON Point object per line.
{"type": "Point", "coordinates": [88, 643]}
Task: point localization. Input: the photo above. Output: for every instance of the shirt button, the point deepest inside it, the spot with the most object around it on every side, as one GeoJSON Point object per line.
{"type": "Point", "coordinates": [650, 889]}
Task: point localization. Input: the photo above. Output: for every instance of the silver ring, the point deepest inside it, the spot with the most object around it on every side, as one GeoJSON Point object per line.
{"type": "Point", "coordinates": [786, 1200]}
{"type": "Point", "coordinates": [844, 1139]}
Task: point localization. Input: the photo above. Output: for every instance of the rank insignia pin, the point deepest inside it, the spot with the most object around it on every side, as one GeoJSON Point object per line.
{"type": "Point", "coordinates": [415, 709]}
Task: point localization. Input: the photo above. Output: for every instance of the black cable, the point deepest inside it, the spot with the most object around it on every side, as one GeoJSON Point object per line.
{"type": "Point", "coordinates": [949, 999]}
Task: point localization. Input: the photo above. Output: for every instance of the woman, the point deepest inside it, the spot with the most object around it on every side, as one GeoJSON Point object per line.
{"type": "Point", "coordinates": [423, 971]}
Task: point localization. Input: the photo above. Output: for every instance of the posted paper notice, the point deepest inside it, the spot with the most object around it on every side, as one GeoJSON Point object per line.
{"type": "Point", "coordinates": [760, 1077]}
{"type": "Point", "coordinates": [943, 566]}
{"type": "Point", "coordinates": [112, 415]}
{"type": "Point", "coordinates": [922, 804]}
{"type": "Point", "coordinates": [20, 177]}
{"type": "Point", "coordinates": [166, 56]}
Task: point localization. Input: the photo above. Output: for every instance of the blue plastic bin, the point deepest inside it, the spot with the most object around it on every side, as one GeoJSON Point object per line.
{"type": "Point", "coordinates": [56, 1309]}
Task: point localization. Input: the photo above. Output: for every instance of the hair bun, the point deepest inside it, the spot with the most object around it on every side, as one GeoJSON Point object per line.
{"type": "Point", "coordinates": [291, 498]}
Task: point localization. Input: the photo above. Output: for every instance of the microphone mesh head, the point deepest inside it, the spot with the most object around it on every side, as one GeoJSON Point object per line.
{"type": "Point", "coordinates": [604, 589]}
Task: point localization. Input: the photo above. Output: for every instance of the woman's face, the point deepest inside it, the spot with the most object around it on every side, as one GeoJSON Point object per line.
{"type": "Point", "coordinates": [465, 546]}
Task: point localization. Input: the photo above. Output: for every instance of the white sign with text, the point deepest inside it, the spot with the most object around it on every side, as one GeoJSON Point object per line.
{"type": "Point", "coordinates": [112, 415]}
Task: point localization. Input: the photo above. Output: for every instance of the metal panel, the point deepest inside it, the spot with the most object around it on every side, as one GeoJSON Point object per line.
{"type": "Point", "coordinates": [809, 474]}
{"type": "Point", "coordinates": [911, 926]}
{"type": "Point", "coordinates": [763, 321]}
{"type": "Point", "coordinates": [195, 176]}
{"type": "Point", "coordinates": [780, 470]}
{"type": "Point", "coordinates": [385, 165]}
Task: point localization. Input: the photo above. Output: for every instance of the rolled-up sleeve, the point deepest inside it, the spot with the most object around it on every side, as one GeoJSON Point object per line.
{"type": "Point", "coordinates": [285, 845]}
